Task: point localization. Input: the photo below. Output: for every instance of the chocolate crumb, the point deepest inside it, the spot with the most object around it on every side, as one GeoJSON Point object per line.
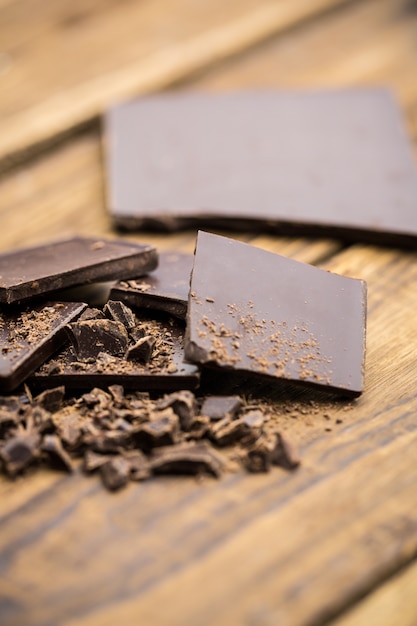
{"type": "Point", "coordinates": [115, 474]}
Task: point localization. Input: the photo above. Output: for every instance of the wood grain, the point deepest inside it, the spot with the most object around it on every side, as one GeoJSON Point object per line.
{"type": "Point", "coordinates": [295, 549]}
{"type": "Point", "coordinates": [370, 42]}
{"type": "Point", "coordinates": [264, 549]}
{"type": "Point", "coordinates": [64, 64]}
{"type": "Point", "coordinates": [392, 603]}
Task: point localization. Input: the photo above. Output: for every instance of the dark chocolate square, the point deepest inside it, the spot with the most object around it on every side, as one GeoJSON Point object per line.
{"type": "Point", "coordinates": [255, 312]}
{"type": "Point", "coordinates": [328, 163]}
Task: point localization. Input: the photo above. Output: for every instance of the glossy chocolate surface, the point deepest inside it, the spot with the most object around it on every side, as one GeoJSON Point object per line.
{"type": "Point", "coordinates": [30, 272]}
{"type": "Point", "coordinates": [252, 311]}
{"type": "Point", "coordinates": [165, 289]}
{"type": "Point", "coordinates": [323, 163]}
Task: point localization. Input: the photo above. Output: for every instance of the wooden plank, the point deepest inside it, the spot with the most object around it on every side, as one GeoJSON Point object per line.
{"type": "Point", "coordinates": [115, 51]}
{"type": "Point", "coordinates": [293, 549]}
{"type": "Point", "coordinates": [370, 42]}
{"type": "Point", "coordinates": [393, 603]}
{"type": "Point", "coordinates": [279, 548]}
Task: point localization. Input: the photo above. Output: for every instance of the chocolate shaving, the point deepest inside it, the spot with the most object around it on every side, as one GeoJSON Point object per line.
{"type": "Point", "coordinates": [196, 458]}
{"type": "Point", "coordinates": [53, 446]}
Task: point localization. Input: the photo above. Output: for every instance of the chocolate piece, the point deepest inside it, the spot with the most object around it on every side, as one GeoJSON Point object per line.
{"type": "Point", "coordinates": [139, 465]}
{"type": "Point", "coordinates": [246, 429]}
{"type": "Point", "coordinates": [198, 428]}
{"type": "Point", "coordinates": [190, 458]}
{"type": "Point", "coordinates": [327, 163]}
{"type": "Point", "coordinates": [93, 461]}
{"type": "Point", "coordinates": [107, 441]}
{"type": "Point", "coordinates": [166, 289]}
{"type": "Point", "coordinates": [50, 399]}
{"type": "Point", "coordinates": [161, 430]}
{"type": "Point", "coordinates": [117, 393]}
{"type": "Point", "coordinates": [40, 418]}
{"type": "Point", "coordinates": [142, 350]}
{"type": "Point", "coordinates": [273, 449]}
{"type": "Point", "coordinates": [274, 317]}
{"type": "Point", "coordinates": [29, 336]}
{"type": "Point", "coordinates": [166, 370]}
{"type": "Point", "coordinates": [68, 424]}
{"type": "Point", "coordinates": [91, 314]}
{"type": "Point", "coordinates": [115, 474]}
{"type": "Point", "coordinates": [218, 407]}
{"type": "Point", "coordinates": [53, 446]}
{"type": "Point", "coordinates": [20, 451]}
{"type": "Point", "coordinates": [119, 312]}
{"type": "Point", "coordinates": [91, 337]}
{"type": "Point", "coordinates": [183, 404]}
{"type": "Point", "coordinates": [283, 452]}
{"type": "Point", "coordinates": [28, 272]}
{"type": "Point", "coordinates": [257, 460]}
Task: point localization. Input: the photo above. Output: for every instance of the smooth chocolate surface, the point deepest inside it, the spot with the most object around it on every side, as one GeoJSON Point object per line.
{"type": "Point", "coordinates": [252, 311]}
{"type": "Point", "coordinates": [31, 335]}
{"type": "Point", "coordinates": [165, 289]}
{"type": "Point", "coordinates": [164, 371]}
{"type": "Point", "coordinates": [29, 272]}
{"type": "Point", "coordinates": [332, 163]}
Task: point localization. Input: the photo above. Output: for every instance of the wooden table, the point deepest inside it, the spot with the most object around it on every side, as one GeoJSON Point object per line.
{"type": "Point", "coordinates": [334, 542]}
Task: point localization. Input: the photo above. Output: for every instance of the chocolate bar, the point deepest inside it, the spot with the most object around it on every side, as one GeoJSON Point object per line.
{"type": "Point", "coordinates": [31, 335]}
{"type": "Point", "coordinates": [30, 272]}
{"type": "Point", "coordinates": [99, 357]}
{"type": "Point", "coordinates": [258, 313]}
{"type": "Point", "coordinates": [321, 163]}
{"type": "Point", "coordinates": [165, 289]}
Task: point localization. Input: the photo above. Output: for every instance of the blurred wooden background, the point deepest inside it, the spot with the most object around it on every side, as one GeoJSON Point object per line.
{"type": "Point", "coordinates": [337, 541]}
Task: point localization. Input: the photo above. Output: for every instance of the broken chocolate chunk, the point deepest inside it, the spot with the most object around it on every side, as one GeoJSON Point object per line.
{"type": "Point", "coordinates": [142, 350]}
{"type": "Point", "coordinates": [91, 337]}
{"type": "Point", "coordinates": [226, 431]}
{"type": "Point", "coordinates": [257, 460]}
{"type": "Point", "coordinates": [166, 371]}
{"type": "Point", "coordinates": [272, 449]}
{"type": "Point", "coordinates": [327, 163]}
{"type": "Point", "coordinates": [283, 452]}
{"type": "Point", "coordinates": [275, 318]}
{"type": "Point", "coordinates": [115, 473]}
{"type": "Point", "coordinates": [93, 460]}
{"type": "Point", "coordinates": [50, 399]}
{"type": "Point", "coordinates": [68, 424]}
{"type": "Point", "coordinates": [165, 289]}
{"type": "Point", "coordinates": [218, 407]}
{"type": "Point", "coordinates": [29, 336]}
{"type": "Point", "coordinates": [119, 312]}
{"type": "Point", "coordinates": [161, 430]}
{"type": "Point", "coordinates": [183, 404]}
{"type": "Point", "coordinates": [20, 451]}
{"type": "Point", "coordinates": [195, 458]}
{"type": "Point", "coordinates": [29, 272]}
{"type": "Point", "coordinates": [53, 446]}
{"type": "Point", "coordinates": [91, 314]}
{"type": "Point", "coordinates": [139, 465]}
